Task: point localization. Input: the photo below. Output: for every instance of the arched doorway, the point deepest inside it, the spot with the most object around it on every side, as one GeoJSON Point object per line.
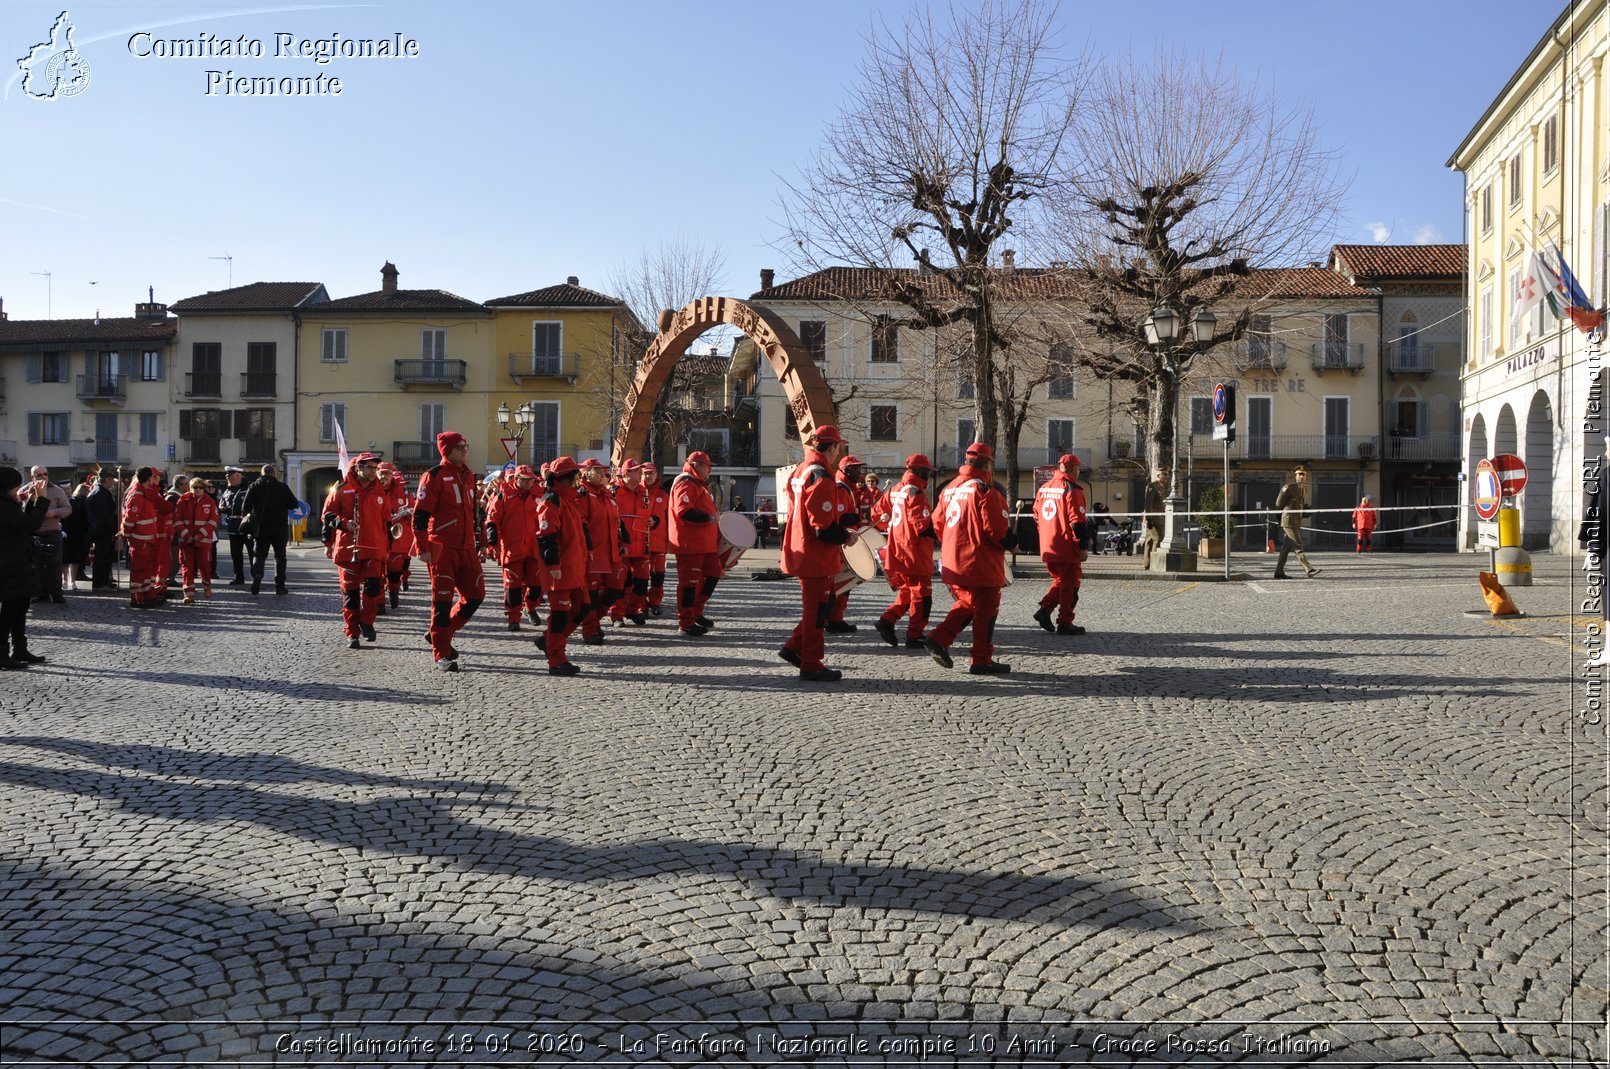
{"type": "Point", "coordinates": [800, 377]}
{"type": "Point", "coordinates": [1505, 439]}
{"type": "Point", "coordinates": [1537, 499]}
{"type": "Point", "coordinates": [1475, 453]}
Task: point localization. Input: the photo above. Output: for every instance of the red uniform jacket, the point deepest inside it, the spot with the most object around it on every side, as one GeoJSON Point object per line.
{"type": "Point", "coordinates": [195, 518]}
{"type": "Point", "coordinates": [850, 495]}
{"type": "Point", "coordinates": [693, 515]}
{"type": "Point", "coordinates": [972, 523]}
{"type": "Point", "coordinates": [866, 499]}
{"type": "Point", "coordinates": [814, 510]}
{"type": "Point", "coordinates": [141, 509]}
{"type": "Point", "coordinates": [513, 513]}
{"type": "Point", "coordinates": [1364, 518]}
{"type": "Point", "coordinates": [659, 523]}
{"type": "Point", "coordinates": [402, 506]}
{"type": "Point", "coordinates": [633, 506]}
{"type": "Point", "coordinates": [371, 507]}
{"type": "Point", "coordinates": [603, 529]}
{"type": "Point", "coordinates": [1059, 515]}
{"type": "Point", "coordinates": [444, 512]}
{"type": "Point", "coordinates": [561, 543]}
{"type": "Point", "coordinates": [903, 513]}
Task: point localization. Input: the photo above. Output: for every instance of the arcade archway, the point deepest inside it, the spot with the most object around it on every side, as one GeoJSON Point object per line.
{"type": "Point", "coordinates": [801, 379]}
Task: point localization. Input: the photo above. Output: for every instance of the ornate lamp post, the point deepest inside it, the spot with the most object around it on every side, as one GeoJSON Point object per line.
{"type": "Point", "coordinates": [516, 424]}
{"type": "Point", "coordinates": [1162, 329]}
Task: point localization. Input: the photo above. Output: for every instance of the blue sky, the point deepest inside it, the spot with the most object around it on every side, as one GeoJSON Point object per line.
{"type": "Point", "coordinates": [531, 141]}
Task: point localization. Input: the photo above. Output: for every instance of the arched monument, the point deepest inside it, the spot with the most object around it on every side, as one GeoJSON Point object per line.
{"type": "Point", "coordinates": [801, 379]}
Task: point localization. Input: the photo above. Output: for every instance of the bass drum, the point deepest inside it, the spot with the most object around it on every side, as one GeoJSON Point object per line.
{"type": "Point", "coordinates": [860, 565]}
{"type": "Point", "coordinates": [736, 536]}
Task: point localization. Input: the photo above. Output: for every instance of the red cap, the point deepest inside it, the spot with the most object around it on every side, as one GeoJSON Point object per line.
{"type": "Point", "coordinates": [447, 441]}
{"type": "Point", "coordinates": [593, 464]}
{"type": "Point", "coordinates": [827, 434]}
{"type": "Point", "coordinates": [525, 471]}
{"type": "Point", "coordinates": [364, 458]}
{"type": "Point", "coordinates": [850, 461]}
{"type": "Point", "coordinates": [982, 451]}
{"type": "Point", "coordinates": [698, 456]}
{"type": "Point", "coordinates": [919, 462]}
{"type": "Point", "coordinates": [630, 465]}
{"type": "Point", "coordinates": [1069, 458]}
{"type": "Point", "coordinates": [561, 466]}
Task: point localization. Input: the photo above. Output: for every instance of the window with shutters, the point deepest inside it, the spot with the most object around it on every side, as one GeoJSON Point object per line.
{"type": "Point", "coordinates": [1336, 340]}
{"type": "Point", "coordinates": [1408, 414]}
{"type": "Point", "coordinates": [1260, 336]}
{"type": "Point", "coordinates": [1201, 415]}
{"type": "Point", "coordinates": [1485, 312]}
{"type": "Point", "coordinates": [884, 423]}
{"type": "Point", "coordinates": [1061, 387]}
{"type": "Point", "coordinates": [47, 428]}
{"type": "Point", "coordinates": [255, 429]}
{"type": "Point", "coordinates": [544, 432]}
{"type": "Point", "coordinates": [1336, 427]}
{"type": "Point", "coordinates": [885, 341]}
{"type": "Point", "coordinates": [1515, 321]}
{"type": "Point", "coordinates": [52, 367]}
{"type": "Point", "coordinates": [334, 342]}
{"type": "Point", "coordinates": [1058, 439]}
{"type": "Point", "coordinates": [331, 413]}
{"type": "Point", "coordinates": [206, 370]}
{"type": "Point", "coordinates": [1551, 144]}
{"type": "Point", "coordinates": [204, 429]}
{"type": "Point", "coordinates": [262, 369]}
{"type": "Point", "coordinates": [1259, 436]}
{"type": "Point", "coordinates": [813, 335]}
{"type": "Point", "coordinates": [1515, 181]}
{"type": "Point", "coordinates": [547, 348]}
{"type": "Point", "coordinates": [966, 434]}
{"type": "Point", "coordinates": [432, 420]}
{"type": "Point", "coordinates": [1487, 208]}
{"type": "Point", "coordinates": [148, 428]}
{"type": "Point", "coordinates": [151, 365]}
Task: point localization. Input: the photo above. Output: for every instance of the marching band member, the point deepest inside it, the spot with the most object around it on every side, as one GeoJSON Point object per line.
{"type": "Point", "coordinates": [511, 534]}
{"type": "Point", "coordinates": [562, 545]}
{"type": "Point", "coordinates": [695, 539]}
{"type": "Point", "coordinates": [850, 486]}
{"type": "Point", "coordinates": [974, 531]}
{"type": "Point", "coordinates": [603, 525]}
{"type": "Point", "coordinates": [449, 545]}
{"type": "Point", "coordinates": [659, 535]}
{"type": "Point", "coordinates": [1065, 533]}
{"type": "Point", "coordinates": [904, 514]}
{"type": "Point", "coordinates": [812, 550]}
{"type": "Point", "coordinates": [357, 537]}
{"type": "Point", "coordinates": [632, 502]}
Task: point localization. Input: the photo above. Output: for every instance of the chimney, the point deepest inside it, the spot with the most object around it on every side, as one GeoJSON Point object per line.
{"type": "Point", "coordinates": [766, 277]}
{"type": "Point", "coordinates": [572, 281]}
{"type": "Point", "coordinates": [388, 278]}
{"type": "Point", "coordinates": [923, 264]}
{"type": "Point", "coordinates": [1009, 261]}
{"type": "Point", "coordinates": [3, 315]}
{"type": "Point", "coordinates": [150, 309]}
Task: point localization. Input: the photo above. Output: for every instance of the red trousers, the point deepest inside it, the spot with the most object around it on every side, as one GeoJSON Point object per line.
{"type": "Point", "coordinates": [363, 585]}
{"type": "Point", "coordinates": [195, 558]}
{"type": "Point", "coordinates": [913, 594]}
{"type": "Point", "coordinates": [809, 639]}
{"type": "Point", "coordinates": [696, 576]}
{"type": "Point", "coordinates": [146, 559]}
{"type": "Point", "coordinates": [1064, 592]}
{"type": "Point", "coordinates": [522, 587]}
{"type": "Point", "coordinates": [453, 573]}
{"type": "Point", "coordinates": [564, 609]}
{"type": "Point", "coordinates": [656, 579]}
{"type": "Point", "coordinates": [976, 606]}
{"type": "Point", "coordinates": [633, 579]}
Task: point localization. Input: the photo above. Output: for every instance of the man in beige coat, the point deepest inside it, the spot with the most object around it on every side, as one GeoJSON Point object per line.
{"type": "Point", "coordinates": [1293, 506]}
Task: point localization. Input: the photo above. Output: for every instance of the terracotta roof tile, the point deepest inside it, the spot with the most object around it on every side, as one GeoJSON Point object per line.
{"type": "Point", "coordinates": [1373, 262]}
{"type": "Point", "coordinates": [255, 297]}
{"type": "Point", "coordinates": [403, 301]}
{"type": "Point", "coordinates": [73, 331]}
{"type": "Point", "coordinates": [561, 296]}
{"type": "Point", "coordinates": [1294, 282]}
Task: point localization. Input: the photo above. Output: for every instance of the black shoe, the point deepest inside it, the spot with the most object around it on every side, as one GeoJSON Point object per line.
{"type": "Point", "coordinates": [638, 619]}
{"type": "Point", "coordinates": [368, 632]}
{"type": "Point", "coordinates": [536, 621]}
{"type": "Point", "coordinates": [541, 642]}
{"type": "Point", "coordinates": [915, 644]}
{"type": "Point", "coordinates": [840, 627]}
{"type": "Point", "coordinates": [393, 598]}
{"type": "Point", "coordinates": [28, 658]}
{"type": "Point", "coordinates": [993, 668]}
{"type": "Point", "coordinates": [354, 643]}
{"type": "Point", "coordinates": [655, 610]}
{"type": "Point", "coordinates": [279, 588]}
{"type": "Point", "coordinates": [593, 640]}
{"type": "Point", "coordinates": [257, 586]}
{"type": "Point", "coordinates": [448, 665]}
{"type": "Point", "coordinates": [1281, 575]}
{"type": "Point", "coordinates": [57, 599]}
{"type": "Point", "coordinates": [8, 665]}
{"type": "Point", "coordinates": [885, 631]}
{"type": "Point", "coordinates": [1070, 629]}
{"type": "Point", "coordinates": [789, 655]}
{"type": "Point", "coordinates": [938, 652]}
{"type": "Point", "coordinates": [704, 622]}
{"type": "Point", "coordinates": [566, 669]}
{"type": "Point", "coordinates": [237, 581]}
{"type": "Point", "coordinates": [822, 675]}
{"type": "Point", "coordinates": [1043, 618]}
{"type": "Point", "coordinates": [696, 631]}
{"type": "Point", "coordinates": [514, 625]}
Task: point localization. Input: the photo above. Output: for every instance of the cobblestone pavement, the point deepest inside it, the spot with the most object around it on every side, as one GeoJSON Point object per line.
{"type": "Point", "coordinates": [1337, 821]}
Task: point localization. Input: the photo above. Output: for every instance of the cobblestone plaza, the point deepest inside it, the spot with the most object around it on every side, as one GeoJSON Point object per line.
{"type": "Point", "coordinates": [1339, 821]}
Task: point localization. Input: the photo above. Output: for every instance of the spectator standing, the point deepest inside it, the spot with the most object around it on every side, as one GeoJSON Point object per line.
{"type": "Point", "coordinates": [102, 509]}
{"type": "Point", "coordinates": [232, 505]}
{"type": "Point", "coordinates": [268, 508]}
{"type": "Point", "coordinates": [49, 535]}
{"type": "Point", "coordinates": [22, 511]}
{"type": "Point", "coordinates": [75, 538]}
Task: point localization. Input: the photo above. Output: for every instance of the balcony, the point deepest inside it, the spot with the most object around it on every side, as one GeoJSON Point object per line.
{"type": "Point", "coordinates": [257, 451]}
{"type": "Point", "coordinates": [1360, 447]}
{"type": "Point", "coordinates": [1439, 446]}
{"type": "Point", "coordinates": [204, 451]}
{"type": "Point", "coordinates": [1330, 356]}
{"type": "Point", "coordinates": [415, 454]}
{"type": "Point", "coordinates": [524, 366]}
{"type": "Point", "coordinates": [1034, 458]}
{"type": "Point", "coordinates": [259, 384]}
{"type": "Point", "coordinates": [112, 389]}
{"type": "Point", "coordinates": [1254, 356]}
{"type": "Point", "coordinates": [452, 373]}
{"type": "Point", "coordinates": [100, 452]}
{"type": "Point", "coordinates": [203, 384]}
{"type": "Point", "coordinates": [1419, 360]}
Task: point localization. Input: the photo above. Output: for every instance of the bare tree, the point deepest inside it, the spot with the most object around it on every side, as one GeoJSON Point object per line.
{"type": "Point", "coordinates": [953, 133]}
{"type": "Point", "coordinates": [1191, 178]}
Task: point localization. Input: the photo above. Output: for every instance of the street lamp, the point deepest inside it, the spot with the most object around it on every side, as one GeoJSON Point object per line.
{"type": "Point", "coordinates": [1162, 328]}
{"type": "Point", "coordinates": [517, 423]}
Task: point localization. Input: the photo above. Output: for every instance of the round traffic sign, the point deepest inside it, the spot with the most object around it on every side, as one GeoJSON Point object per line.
{"type": "Point", "coordinates": [1511, 472]}
{"type": "Point", "coordinates": [1488, 494]}
{"type": "Point", "coordinates": [1221, 403]}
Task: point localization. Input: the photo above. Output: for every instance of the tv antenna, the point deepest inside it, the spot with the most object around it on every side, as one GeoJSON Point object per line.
{"type": "Point", "coordinates": [48, 314]}
{"type": "Point", "coordinates": [230, 260]}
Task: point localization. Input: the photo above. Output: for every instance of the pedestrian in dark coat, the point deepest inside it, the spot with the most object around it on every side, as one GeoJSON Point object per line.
{"type": "Point", "coordinates": [75, 537]}
{"type": "Point", "coordinates": [19, 568]}
{"type": "Point", "coordinates": [103, 511]}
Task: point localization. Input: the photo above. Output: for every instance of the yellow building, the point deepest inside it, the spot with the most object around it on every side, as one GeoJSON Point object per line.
{"type": "Point", "coordinates": [563, 358]}
{"type": "Point", "coordinates": [1537, 180]}
{"type": "Point", "coordinates": [393, 368]}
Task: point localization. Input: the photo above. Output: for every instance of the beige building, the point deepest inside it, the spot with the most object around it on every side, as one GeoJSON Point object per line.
{"type": "Point", "coordinates": [393, 368]}
{"type": "Point", "coordinates": [1537, 179]}
{"type": "Point", "coordinates": [234, 392]}
{"type": "Point", "coordinates": [81, 392]}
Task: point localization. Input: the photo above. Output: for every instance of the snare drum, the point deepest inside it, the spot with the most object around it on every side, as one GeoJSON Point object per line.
{"type": "Point", "coordinates": [877, 540]}
{"type": "Point", "coordinates": [736, 535]}
{"type": "Point", "coordinates": [860, 564]}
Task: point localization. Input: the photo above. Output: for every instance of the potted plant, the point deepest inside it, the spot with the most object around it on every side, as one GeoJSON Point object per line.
{"type": "Point", "coordinates": [1211, 522]}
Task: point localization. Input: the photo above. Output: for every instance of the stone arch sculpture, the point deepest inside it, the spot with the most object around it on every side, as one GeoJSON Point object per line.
{"type": "Point", "coordinates": [801, 379]}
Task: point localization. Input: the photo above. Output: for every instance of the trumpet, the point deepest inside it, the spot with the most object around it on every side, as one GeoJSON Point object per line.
{"type": "Point", "coordinates": [396, 531]}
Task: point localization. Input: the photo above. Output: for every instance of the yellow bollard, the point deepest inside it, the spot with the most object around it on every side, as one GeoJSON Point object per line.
{"type": "Point", "coordinates": [1509, 526]}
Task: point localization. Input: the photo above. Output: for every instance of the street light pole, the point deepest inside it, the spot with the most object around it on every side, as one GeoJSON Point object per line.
{"type": "Point", "coordinates": [1162, 328]}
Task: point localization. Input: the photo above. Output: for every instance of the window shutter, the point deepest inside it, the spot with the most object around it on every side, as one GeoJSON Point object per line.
{"type": "Point", "coordinates": [33, 428]}
{"type": "Point", "coordinates": [1422, 419]}
{"type": "Point", "coordinates": [243, 419]}
{"type": "Point", "coordinates": [34, 361]}
{"type": "Point", "coordinates": [185, 420]}
{"type": "Point", "coordinates": [223, 423]}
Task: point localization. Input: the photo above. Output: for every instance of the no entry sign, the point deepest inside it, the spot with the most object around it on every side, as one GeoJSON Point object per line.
{"type": "Point", "coordinates": [1511, 471]}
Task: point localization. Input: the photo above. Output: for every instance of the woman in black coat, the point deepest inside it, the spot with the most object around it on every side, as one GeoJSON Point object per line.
{"type": "Point", "coordinates": [75, 538]}
{"type": "Point", "coordinates": [19, 574]}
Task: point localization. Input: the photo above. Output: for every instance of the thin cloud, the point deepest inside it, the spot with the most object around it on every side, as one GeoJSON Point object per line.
{"type": "Point", "coordinates": [44, 208]}
{"type": "Point", "coordinates": [1428, 235]}
{"type": "Point", "coordinates": [1380, 233]}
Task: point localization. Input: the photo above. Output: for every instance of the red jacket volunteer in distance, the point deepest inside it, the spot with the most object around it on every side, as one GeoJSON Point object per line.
{"type": "Point", "coordinates": [603, 522]}
{"type": "Point", "coordinates": [445, 508]}
{"type": "Point", "coordinates": [691, 494]}
{"type": "Point", "coordinates": [971, 521]}
{"type": "Point", "coordinates": [815, 509]}
{"type": "Point", "coordinates": [1059, 517]}
{"type": "Point", "coordinates": [904, 514]}
{"type": "Point", "coordinates": [562, 545]}
{"type": "Point", "coordinates": [371, 506]}
{"type": "Point", "coordinates": [195, 518]}
{"type": "Point", "coordinates": [512, 514]}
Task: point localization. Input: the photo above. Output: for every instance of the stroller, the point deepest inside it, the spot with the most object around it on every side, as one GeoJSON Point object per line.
{"type": "Point", "coordinates": [1121, 541]}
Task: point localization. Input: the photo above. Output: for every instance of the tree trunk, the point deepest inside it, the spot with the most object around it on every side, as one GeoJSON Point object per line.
{"type": "Point", "coordinates": [1160, 424]}
{"type": "Point", "coordinates": [984, 411]}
